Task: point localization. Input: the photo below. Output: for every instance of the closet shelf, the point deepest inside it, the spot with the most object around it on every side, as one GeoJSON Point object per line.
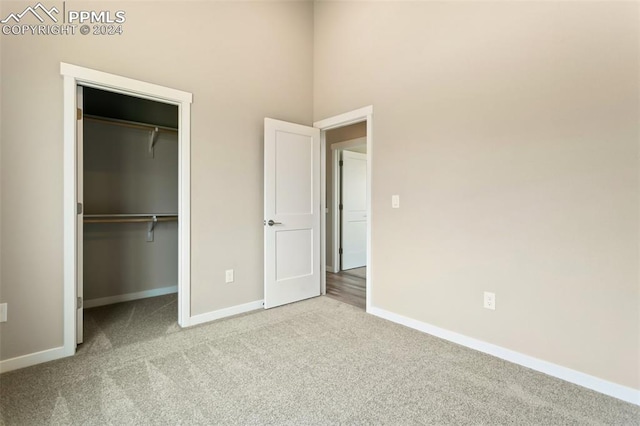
{"type": "Point", "coordinates": [130, 124]}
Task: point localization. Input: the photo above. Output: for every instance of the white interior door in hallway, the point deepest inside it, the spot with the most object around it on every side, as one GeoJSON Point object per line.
{"type": "Point", "coordinates": [354, 210]}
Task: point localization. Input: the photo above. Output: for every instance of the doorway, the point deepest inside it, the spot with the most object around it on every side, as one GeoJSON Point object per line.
{"type": "Point", "coordinates": [346, 176]}
{"type": "Point", "coordinates": [303, 168]}
{"type": "Point", "coordinates": [348, 280]}
{"type": "Point", "coordinates": [128, 240]}
{"type": "Point", "coordinates": [75, 77]}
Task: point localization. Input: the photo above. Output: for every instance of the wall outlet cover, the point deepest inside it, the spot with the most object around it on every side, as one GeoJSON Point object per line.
{"type": "Point", "coordinates": [490, 300]}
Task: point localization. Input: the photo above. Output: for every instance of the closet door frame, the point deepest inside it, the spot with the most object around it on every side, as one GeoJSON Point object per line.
{"type": "Point", "coordinates": [74, 76]}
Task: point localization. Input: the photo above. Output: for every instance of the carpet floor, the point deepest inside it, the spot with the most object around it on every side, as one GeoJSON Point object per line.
{"type": "Point", "coordinates": [314, 362]}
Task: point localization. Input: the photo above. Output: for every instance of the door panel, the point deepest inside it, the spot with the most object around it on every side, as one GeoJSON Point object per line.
{"type": "Point", "coordinates": [354, 210]}
{"type": "Point", "coordinates": [292, 206]}
{"type": "Point", "coordinates": [296, 246]}
{"type": "Point", "coordinates": [293, 181]}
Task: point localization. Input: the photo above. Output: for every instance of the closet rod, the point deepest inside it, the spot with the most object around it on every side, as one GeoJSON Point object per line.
{"type": "Point", "coordinates": [131, 219]}
{"type": "Point", "coordinates": [114, 215]}
{"type": "Point", "coordinates": [130, 124]}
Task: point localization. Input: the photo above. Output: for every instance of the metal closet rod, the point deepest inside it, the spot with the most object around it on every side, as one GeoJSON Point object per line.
{"type": "Point", "coordinates": [130, 218]}
{"type": "Point", "coordinates": [130, 124]}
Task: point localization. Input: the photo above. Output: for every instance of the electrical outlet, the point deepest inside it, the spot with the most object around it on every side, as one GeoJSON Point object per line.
{"type": "Point", "coordinates": [3, 312]}
{"type": "Point", "coordinates": [228, 276]}
{"type": "Point", "coordinates": [490, 300]}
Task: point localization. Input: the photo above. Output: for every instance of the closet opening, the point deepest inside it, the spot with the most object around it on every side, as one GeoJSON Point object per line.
{"type": "Point", "coordinates": [127, 240]}
{"type": "Point", "coordinates": [76, 80]}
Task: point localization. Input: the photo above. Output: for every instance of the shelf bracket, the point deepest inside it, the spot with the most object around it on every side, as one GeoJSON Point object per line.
{"type": "Point", "coordinates": [153, 138]}
{"type": "Point", "coordinates": [150, 228]}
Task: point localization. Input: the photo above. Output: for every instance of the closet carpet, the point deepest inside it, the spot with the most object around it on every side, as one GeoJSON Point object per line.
{"type": "Point", "coordinates": [113, 326]}
{"type": "Point", "coordinates": [315, 362]}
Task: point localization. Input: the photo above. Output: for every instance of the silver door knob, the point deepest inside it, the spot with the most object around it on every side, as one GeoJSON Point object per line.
{"type": "Point", "coordinates": [271, 223]}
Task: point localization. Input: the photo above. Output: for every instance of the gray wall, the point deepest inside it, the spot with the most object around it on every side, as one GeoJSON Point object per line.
{"type": "Point", "coordinates": [340, 134]}
{"type": "Point", "coordinates": [510, 132]}
{"type": "Point", "coordinates": [121, 177]}
{"type": "Point", "coordinates": [242, 61]}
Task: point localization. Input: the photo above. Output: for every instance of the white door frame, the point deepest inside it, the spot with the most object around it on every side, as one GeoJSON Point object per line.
{"type": "Point", "coordinates": [336, 151]}
{"type": "Point", "coordinates": [351, 117]}
{"type": "Point", "coordinates": [73, 76]}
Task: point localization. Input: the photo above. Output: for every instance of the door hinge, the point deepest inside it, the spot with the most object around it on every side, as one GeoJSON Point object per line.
{"type": "Point", "coordinates": [341, 163]}
{"type": "Point", "coordinates": [340, 250]}
{"type": "Point", "coordinates": [79, 303]}
{"type": "Point", "coordinates": [79, 208]}
{"type": "Point", "coordinates": [340, 206]}
{"type": "Point", "coordinates": [79, 114]}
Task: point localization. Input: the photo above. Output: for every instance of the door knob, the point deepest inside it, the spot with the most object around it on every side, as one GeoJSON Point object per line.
{"type": "Point", "coordinates": [271, 223]}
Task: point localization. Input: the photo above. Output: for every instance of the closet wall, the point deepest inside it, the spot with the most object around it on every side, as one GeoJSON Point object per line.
{"type": "Point", "coordinates": [122, 176]}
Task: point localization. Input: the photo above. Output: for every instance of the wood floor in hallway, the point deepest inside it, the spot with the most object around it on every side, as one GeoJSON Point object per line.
{"type": "Point", "coordinates": [348, 287]}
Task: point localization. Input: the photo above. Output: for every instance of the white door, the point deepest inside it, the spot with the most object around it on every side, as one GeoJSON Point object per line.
{"type": "Point", "coordinates": [80, 217]}
{"type": "Point", "coordinates": [291, 212]}
{"type": "Point", "coordinates": [354, 210]}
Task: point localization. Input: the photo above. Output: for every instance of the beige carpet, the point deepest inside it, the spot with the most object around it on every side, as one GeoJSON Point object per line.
{"type": "Point", "coordinates": [311, 363]}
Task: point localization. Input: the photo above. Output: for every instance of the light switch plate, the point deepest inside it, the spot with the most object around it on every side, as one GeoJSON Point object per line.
{"type": "Point", "coordinates": [228, 276]}
{"type": "Point", "coordinates": [395, 201]}
{"type": "Point", "coordinates": [3, 312]}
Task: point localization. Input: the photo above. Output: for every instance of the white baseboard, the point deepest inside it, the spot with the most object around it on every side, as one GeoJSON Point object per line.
{"type": "Point", "coordinates": [92, 303]}
{"type": "Point", "coordinates": [32, 359]}
{"type": "Point", "coordinates": [226, 312]}
{"type": "Point", "coordinates": [590, 382]}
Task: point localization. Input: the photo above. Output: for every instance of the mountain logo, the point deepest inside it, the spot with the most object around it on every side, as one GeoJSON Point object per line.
{"type": "Point", "coordinates": [39, 10]}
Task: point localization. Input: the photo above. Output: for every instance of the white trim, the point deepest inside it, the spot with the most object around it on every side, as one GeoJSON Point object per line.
{"type": "Point", "coordinates": [101, 301]}
{"type": "Point", "coordinates": [576, 377]}
{"type": "Point", "coordinates": [226, 312]}
{"type": "Point", "coordinates": [351, 117]}
{"type": "Point", "coordinates": [369, 281]}
{"type": "Point", "coordinates": [74, 75]}
{"type": "Point", "coordinates": [329, 268]}
{"type": "Point", "coordinates": [32, 359]}
{"type": "Point", "coordinates": [335, 214]}
{"type": "Point", "coordinates": [323, 210]}
{"type": "Point", "coordinates": [101, 80]}
{"type": "Point", "coordinates": [184, 214]}
{"type": "Point", "coordinates": [69, 216]}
